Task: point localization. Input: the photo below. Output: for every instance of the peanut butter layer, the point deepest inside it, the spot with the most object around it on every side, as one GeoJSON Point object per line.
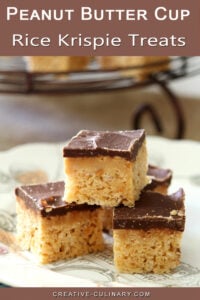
{"type": "Point", "coordinates": [105, 143]}
{"type": "Point", "coordinates": [153, 210]}
{"type": "Point", "coordinates": [47, 199]}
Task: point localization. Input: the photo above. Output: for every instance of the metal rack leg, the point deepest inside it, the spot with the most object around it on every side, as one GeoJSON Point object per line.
{"type": "Point", "coordinates": [147, 108]}
{"type": "Point", "coordinates": [175, 104]}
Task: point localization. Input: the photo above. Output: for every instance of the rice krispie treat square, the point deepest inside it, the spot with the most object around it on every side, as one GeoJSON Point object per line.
{"type": "Point", "coordinates": [160, 179]}
{"type": "Point", "coordinates": [105, 168]}
{"type": "Point", "coordinates": [147, 237]}
{"type": "Point", "coordinates": [52, 229]}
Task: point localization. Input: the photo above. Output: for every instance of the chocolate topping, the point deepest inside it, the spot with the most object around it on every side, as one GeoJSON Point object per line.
{"type": "Point", "coordinates": [159, 177]}
{"type": "Point", "coordinates": [152, 210]}
{"type": "Point", "coordinates": [47, 199]}
{"type": "Point", "coordinates": [113, 143]}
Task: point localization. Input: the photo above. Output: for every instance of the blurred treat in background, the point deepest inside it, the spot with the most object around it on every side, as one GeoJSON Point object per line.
{"type": "Point", "coordinates": [142, 66]}
{"type": "Point", "coordinates": [56, 63]}
{"type": "Point", "coordinates": [47, 108]}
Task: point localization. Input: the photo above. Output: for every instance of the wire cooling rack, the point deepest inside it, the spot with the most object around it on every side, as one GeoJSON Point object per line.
{"type": "Point", "coordinates": [15, 78]}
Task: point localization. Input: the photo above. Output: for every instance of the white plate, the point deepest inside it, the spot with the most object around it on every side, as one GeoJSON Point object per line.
{"type": "Point", "coordinates": [19, 268]}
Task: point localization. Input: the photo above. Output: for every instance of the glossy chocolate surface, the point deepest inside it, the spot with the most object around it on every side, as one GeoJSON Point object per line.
{"type": "Point", "coordinates": [159, 177]}
{"type": "Point", "coordinates": [112, 143]}
{"type": "Point", "coordinates": [152, 210]}
{"type": "Point", "coordinates": [47, 199]}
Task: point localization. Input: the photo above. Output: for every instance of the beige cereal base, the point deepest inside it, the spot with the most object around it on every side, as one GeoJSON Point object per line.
{"type": "Point", "coordinates": [139, 251]}
{"type": "Point", "coordinates": [59, 237]}
{"type": "Point", "coordinates": [104, 180]}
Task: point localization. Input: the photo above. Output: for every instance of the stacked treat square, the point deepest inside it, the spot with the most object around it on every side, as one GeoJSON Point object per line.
{"type": "Point", "coordinates": [108, 185]}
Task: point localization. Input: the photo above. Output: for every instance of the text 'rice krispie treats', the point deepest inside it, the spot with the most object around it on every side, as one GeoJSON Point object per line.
{"type": "Point", "coordinates": [105, 168]}
{"type": "Point", "coordinates": [147, 237]}
{"type": "Point", "coordinates": [52, 229]}
{"type": "Point", "coordinates": [160, 181]}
